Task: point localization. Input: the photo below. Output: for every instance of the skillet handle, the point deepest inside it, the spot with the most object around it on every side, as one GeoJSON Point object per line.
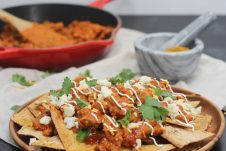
{"type": "Point", "coordinates": [99, 3]}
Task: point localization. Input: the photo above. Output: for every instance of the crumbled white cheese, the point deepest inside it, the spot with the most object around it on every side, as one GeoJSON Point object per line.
{"type": "Point", "coordinates": [134, 125]}
{"type": "Point", "coordinates": [105, 91]}
{"type": "Point", "coordinates": [103, 82]}
{"type": "Point", "coordinates": [173, 110]}
{"type": "Point", "coordinates": [127, 85]}
{"type": "Point", "coordinates": [139, 86]}
{"type": "Point", "coordinates": [32, 140]}
{"type": "Point", "coordinates": [62, 100]}
{"type": "Point", "coordinates": [138, 142]}
{"type": "Point", "coordinates": [45, 120]}
{"type": "Point", "coordinates": [70, 122]}
{"type": "Point", "coordinates": [145, 79]}
{"type": "Point", "coordinates": [69, 110]}
{"type": "Point", "coordinates": [83, 85]}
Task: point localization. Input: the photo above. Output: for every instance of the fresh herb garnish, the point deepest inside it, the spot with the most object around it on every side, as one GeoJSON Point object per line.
{"type": "Point", "coordinates": [54, 93]}
{"type": "Point", "coordinates": [123, 76]}
{"type": "Point", "coordinates": [66, 86]}
{"type": "Point", "coordinates": [91, 83]}
{"type": "Point", "coordinates": [153, 110]}
{"type": "Point", "coordinates": [86, 73]}
{"type": "Point", "coordinates": [83, 133]}
{"type": "Point", "coordinates": [22, 80]}
{"type": "Point", "coordinates": [14, 107]}
{"type": "Point", "coordinates": [81, 103]}
{"type": "Point", "coordinates": [45, 74]}
{"type": "Point", "coordinates": [160, 92]}
{"type": "Point", "coordinates": [126, 119]}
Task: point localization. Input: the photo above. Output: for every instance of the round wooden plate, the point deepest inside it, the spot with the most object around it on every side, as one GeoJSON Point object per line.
{"type": "Point", "coordinates": [217, 124]}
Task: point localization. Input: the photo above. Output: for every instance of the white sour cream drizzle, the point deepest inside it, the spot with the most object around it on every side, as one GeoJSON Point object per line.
{"type": "Point", "coordinates": [186, 121]}
{"type": "Point", "coordinates": [123, 94]}
{"type": "Point", "coordinates": [82, 91]}
{"type": "Point", "coordinates": [149, 125]}
{"type": "Point", "coordinates": [138, 99]}
{"type": "Point", "coordinates": [101, 105]}
{"type": "Point", "coordinates": [75, 84]}
{"type": "Point", "coordinates": [113, 122]}
{"type": "Point", "coordinates": [109, 128]}
{"type": "Point", "coordinates": [75, 93]}
{"type": "Point", "coordinates": [159, 145]}
{"type": "Point", "coordinates": [116, 102]}
{"type": "Point", "coordinates": [95, 116]}
{"type": "Point", "coordinates": [178, 94]}
{"type": "Point", "coordinates": [95, 89]}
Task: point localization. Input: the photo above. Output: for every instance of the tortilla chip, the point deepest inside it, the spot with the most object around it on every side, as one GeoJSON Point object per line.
{"type": "Point", "coordinates": [43, 141]}
{"type": "Point", "coordinates": [41, 100]}
{"type": "Point", "coordinates": [165, 147]}
{"type": "Point", "coordinates": [67, 136]}
{"type": "Point", "coordinates": [181, 137]}
{"type": "Point", "coordinates": [23, 118]}
{"type": "Point", "coordinates": [30, 131]}
{"type": "Point", "coordinates": [202, 122]}
{"type": "Point", "coordinates": [194, 103]}
{"type": "Point", "coordinates": [52, 142]}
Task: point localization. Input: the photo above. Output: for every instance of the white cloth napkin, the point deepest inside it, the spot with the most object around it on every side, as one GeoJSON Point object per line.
{"type": "Point", "coordinates": [209, 79]}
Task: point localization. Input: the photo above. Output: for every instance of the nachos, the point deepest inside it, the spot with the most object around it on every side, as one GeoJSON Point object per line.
{"type": "Point", "coordinates": [113, 114]}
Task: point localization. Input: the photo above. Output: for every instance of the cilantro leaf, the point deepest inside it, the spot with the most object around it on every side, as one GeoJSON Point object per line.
{"type": "Point", "coordinates": [66, 86]}
{"type": "Point", "coordinates": [124, 75]}
{"type": "Point", "coordinates": [126, 119]}
{"type": "Point", "coordinates": [54, 93]}
{"type": "Point", "coordinates": [14, 107]}
{"type": "Point", "coordinates": [86, 73]}
{"type": "Point", "coordinates": [81, 103]}
{"type": "Point", "coordinates": [83, 133]}
{"type": "Point", "coordinates": [153, 110]}
{"type": "Point", "coordinates": [45, 74]}
{"type": "Point", "coordinates": [91, 83]}
{"type": "Point", "coordinates": [160, 92]}
{"type": "Point", "coordinates": [22, 80]}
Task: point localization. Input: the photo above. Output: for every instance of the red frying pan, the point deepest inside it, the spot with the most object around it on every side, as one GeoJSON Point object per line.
{"type": "Point", "coordinates": [59, 58]}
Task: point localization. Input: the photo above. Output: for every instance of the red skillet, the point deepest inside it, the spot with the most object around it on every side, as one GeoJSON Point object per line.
{"type": "Point", "coordinates": [59, 58]}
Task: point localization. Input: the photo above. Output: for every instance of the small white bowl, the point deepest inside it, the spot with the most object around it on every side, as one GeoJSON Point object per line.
{"type": "Point", "coordinates": [168, 65]}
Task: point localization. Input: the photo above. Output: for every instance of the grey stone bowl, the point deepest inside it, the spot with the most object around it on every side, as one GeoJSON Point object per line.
{"type": "Point", "coordinates": [173, 66]}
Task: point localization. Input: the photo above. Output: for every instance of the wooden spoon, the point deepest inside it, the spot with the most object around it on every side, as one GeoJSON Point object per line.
{"type": "Point", "coordinates": [38, 34]}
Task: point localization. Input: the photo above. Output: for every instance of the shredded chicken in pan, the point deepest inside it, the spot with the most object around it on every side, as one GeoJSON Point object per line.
{"type": "Point", "coordinates": [78, 31]}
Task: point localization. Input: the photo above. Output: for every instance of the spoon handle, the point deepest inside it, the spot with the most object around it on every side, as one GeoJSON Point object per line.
{"type": "Point", "coordinates": [186, 35]}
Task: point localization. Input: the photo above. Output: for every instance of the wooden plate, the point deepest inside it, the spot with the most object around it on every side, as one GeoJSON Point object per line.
{"type": "Point", "coordinates": [217, 125]}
